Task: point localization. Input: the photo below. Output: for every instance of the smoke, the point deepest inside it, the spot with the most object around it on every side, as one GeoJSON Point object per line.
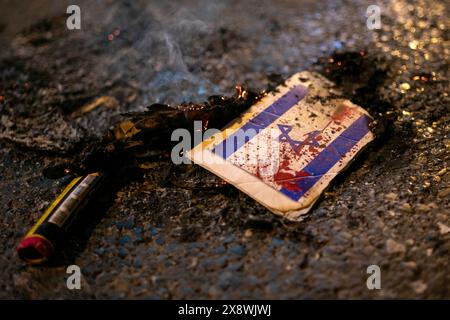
{"type": "Point", "coordinates": [141, 52]}
{"type": "Point", "coordinates": [185, 51]}
{"type": "Point", "coordinates": [158, 48]}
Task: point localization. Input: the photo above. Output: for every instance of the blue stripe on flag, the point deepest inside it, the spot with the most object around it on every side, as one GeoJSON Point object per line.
{"type": "Point", "coordinates": [261, 121]}
{"type": "Point", "coordinates": [328, 158]}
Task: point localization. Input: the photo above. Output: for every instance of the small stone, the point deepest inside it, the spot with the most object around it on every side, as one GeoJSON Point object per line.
{"type": "Point", "coordinates": [219, 250]}
{"type": "Point", "coordinates": [433, 206]}
{"type": "Point", "coordinates": [406, 207]}
{"type": "Point", "coordinates": [99, 251]}
{"type": "Point", "coordinates": [123, 252]}
{"type": "Point", "coordinates": [238, 250]}
{"type": "Point", "coordinates": [329, 251]}
{"type": "Point", "coordinates": [393, 246]}
{"type": "Point", "coordinates": [411, 264]}
{"type": "Point", "coordinates": [194, 262]}
{"type": "Point", "coordinates": [369, 250]}
{"type": "Point", "coordinates": [129, 224]}
{"type": "Point", "coordinates": [431, 236]}
{"type": "Point", "coordinates": [248, 233]}
{"type": "Point", "coordinates": [418, 286]}
{"type": "Point", "coordinates": [119, 224]}
{"type": "Point", "coordinates": [124, 240]}
{"type": "Point", "coordinates": [194, 245]}
{"type": "Point", "coordinates": [444, 193]}
{"type": "Point", "coordinates": [171, 247]}
{"type": "Point", "coordinates": [413, 44]}
{"type": "Point", "coordinates": [137, 263]}
{"type": "Point", "coordinates": [227, 279]}
{"type": "Point", "coordinates": [208, 264]}
{"type": "Point", "coordinates": [235, 266]}
{"type": "Point", "coordinates": [153, 231]}
{"type": "Point", "coordinates": [120, 194]}
{"type": "Point", "coordinates": [443, 229]}
{"type": "Point", "coordinates": [160, 241]}
{"type": "Point", "coordinates": [423, 207]}
{"type": "Point", "coordinates": [405, 86]}
{"type": "Point", "coordinates": [228, 239]}
{"type": "Point", "coordinates": [221, 261]}
{"type": "Point", "coordinates": [342, 238]}
{"type": "Point", "coordinates": [391, 196]}
{"type": "Point", "coordinates": [277, 242]}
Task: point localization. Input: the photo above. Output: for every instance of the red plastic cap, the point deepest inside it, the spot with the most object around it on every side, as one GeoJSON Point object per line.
{"type": "Point", "coordinates": [35, 249]}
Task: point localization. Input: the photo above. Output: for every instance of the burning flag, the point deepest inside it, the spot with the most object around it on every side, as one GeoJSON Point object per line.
{"type": "Point", "coordinates": [286, 149]}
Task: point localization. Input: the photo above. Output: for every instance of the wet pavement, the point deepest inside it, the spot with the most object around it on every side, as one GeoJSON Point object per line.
{"type": "Point", "coordinates": [177, 231]}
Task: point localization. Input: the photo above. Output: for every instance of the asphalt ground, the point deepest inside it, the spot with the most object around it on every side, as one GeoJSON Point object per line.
{"type": "Point", "coordinates": [177, 231]}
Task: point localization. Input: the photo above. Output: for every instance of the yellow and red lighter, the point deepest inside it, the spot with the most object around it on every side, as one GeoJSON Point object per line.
{"type": "Point", "coordinates": [41, 241]}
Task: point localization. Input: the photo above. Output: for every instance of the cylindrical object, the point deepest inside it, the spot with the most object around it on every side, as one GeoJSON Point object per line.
{"type": "Point", "coordinates": [40, 242]}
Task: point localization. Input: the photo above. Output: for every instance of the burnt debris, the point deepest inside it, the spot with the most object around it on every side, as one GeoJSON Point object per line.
{"type": "Point", "coordinates": [143, 132]}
